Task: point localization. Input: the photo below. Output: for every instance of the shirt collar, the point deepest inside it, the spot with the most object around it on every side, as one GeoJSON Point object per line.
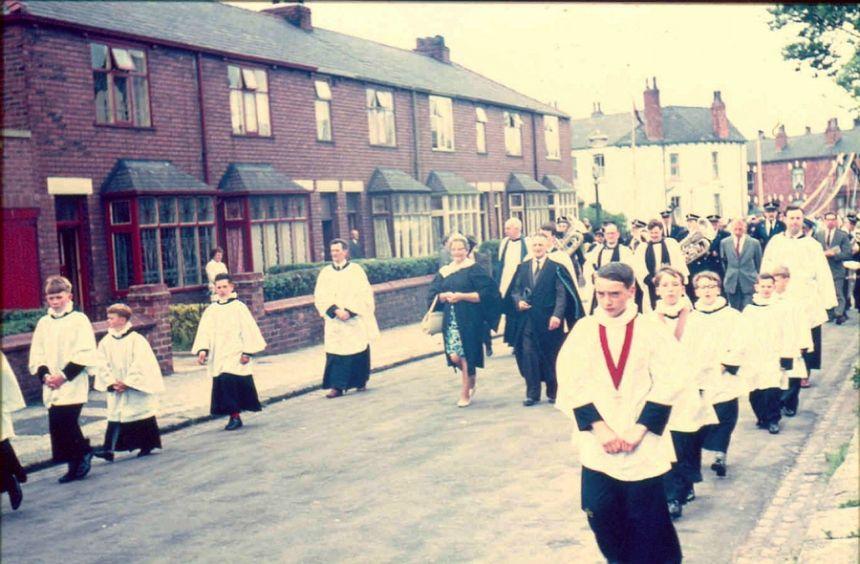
{"type": "Point", "coordinates": [718, 304]}
{"type": "Point", "coordinates": [673, 310]}
{"type": "Point", "coordinates": [66, 311]}
{"type": "Point", "coordinates": [623, 319]}
{"type": "Point", "coordinates": [121, 332]}
{"type": "Point", "coordinates": [228, 299]}
{"type": "Point", "coordinates": [340, 266]}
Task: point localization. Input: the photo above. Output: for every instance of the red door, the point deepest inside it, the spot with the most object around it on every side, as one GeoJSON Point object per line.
{"type": "Point", "coordinates": [22, 284]}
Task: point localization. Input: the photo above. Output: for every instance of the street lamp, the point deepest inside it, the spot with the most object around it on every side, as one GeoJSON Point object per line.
{"type": "Point", "coordinates": [595, 173]}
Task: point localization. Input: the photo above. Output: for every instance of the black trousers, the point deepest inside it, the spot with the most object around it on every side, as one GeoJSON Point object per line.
{"type": "Point", "coordinates": [765, 405]}
{"type": "Point", "coordinates": [536, 365]}
{"type": "Point", "coordinates": [813, 358]}
{"type": "Point", "coordinates": [717, 437]}
{"type": "Point", "coordinates": [630, 520]}
{"type": "Point", "coordinates": [10, 467]}
{"type": "Point", "coordinates": [68, 443]}
{"type": "Point", "coordinates": [791, 397]}
{"type": "Point", "coordinates": [687, 470]}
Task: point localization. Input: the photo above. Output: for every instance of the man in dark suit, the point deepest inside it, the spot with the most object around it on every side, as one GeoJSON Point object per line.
{"type": "Point", "coordinates": [543, 298]}
{"type": "Point", "coordinates": [741, 258]}
{"type": "Point", "coordinates": [837, 248]}
{"type": "Point", "coordinates": [716, 265]}
{"type": "Point", "coordinates": [769, 226]}
{"type": "Point", "coordinates": [356, 250]}
{"type": "Point", "coordinates": [671, 230]}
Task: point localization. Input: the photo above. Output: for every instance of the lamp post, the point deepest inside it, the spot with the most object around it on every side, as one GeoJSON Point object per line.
{"type": "Point", "coordinates": [595, 173]}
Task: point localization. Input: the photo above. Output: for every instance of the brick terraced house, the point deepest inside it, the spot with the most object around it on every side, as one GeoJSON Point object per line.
{"type": "Point", "coordinates": [138, 135]}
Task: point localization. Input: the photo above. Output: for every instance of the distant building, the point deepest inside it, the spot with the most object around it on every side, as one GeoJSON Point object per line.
{"type": "Point", "coordinates": [138, 135]}
{"type": "Point", "coordinates": [688, 158]}
{"type": "Point", "coordinates": [821, 171]}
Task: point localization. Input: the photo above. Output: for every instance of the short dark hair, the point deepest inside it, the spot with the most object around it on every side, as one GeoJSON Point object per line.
{"type": "Point", "coordinates": [833, 213]}
{"type": "Point", "coordinates": [707, 275]}
{"type": "Point", "coordinates": [617, 272]}
{"type": "Point", "coordinates": [792, 208]}
{"type": "Point", "coordinates": [343, 244]}
{"type": "Point", "coordinates": [223, 276]}
{"type": "Point", "coordinates": [548, 226]}
{"type": "Point", "coordinates": [655, 223]}
{"type": "Point", "coordinates": [668, 271]}
{"type": "Point", "coordinates": [214, 251]}
{"type": "Point", "coordinates": [764, 276]}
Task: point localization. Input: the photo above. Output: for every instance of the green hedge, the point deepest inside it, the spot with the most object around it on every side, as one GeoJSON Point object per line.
{"type": "Point", "coordinates": [184, 319]}
{"type": "Point", "coordinates": [490, 247]}
{"type": "Point", "coordinates": [301, 282]}
{"type": "Point", "coordinates": [280, 268]}
{"type": "Point", "coordinates": [16, 321]}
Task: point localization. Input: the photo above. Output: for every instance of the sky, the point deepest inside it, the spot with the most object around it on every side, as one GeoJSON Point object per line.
{"type": "Point", "coordinates": [576, 54]}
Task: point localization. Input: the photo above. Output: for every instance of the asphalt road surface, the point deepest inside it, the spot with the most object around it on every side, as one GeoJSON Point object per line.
{"type": "Point", "coordinates": [397, 474]}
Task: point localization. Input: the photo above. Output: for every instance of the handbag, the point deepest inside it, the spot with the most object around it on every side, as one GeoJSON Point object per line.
{"type": "Point", "coordinates": [432, 321]}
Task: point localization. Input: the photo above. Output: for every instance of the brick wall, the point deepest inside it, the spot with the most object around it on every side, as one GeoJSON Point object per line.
{"type": "Point", "coordinates": [776, 177]}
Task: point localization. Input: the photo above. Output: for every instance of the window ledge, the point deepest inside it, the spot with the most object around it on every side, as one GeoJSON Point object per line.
{"type": "Point", "coordinates": [247, 136]}
{"type": "Point", "coordinates": [442, 150]}
{"type": "Point", "coordinates": [326, 141]}
{"type": "Point", "coordinates": [124, 127]}
{"type": "Point", "coordinates": [377, 146]}
{"type": "Point", "coordinates": [514, 156]}
{"type": "Point", "coordinates": [553, 158]}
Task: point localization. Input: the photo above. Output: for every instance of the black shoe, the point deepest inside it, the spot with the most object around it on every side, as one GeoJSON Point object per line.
{"type": "Point", "coordinates": [773, 428]}
{"type": "Point", "coordinates": [104, 454]}
{"type": "Point", "coordinates": [675, 510]}
{"type": "Point", "coordinates": [550, 400]}
{"type": "Point", "coordinates": [233, 424]}
{"type": "Point", "coordinates": [70, 475]}
{"type": "Point", "coordinates": [489, 350]}
{"type": "Point", "coordinates": [144, 452]}
{"type": "Point", "coordinates": [719, 467]}
{"type": "Point", "coordinates": [691, 495]}
{"type": "Point", "coordinates": [528, 402]}
{"type": "Point", "coordinates": [788, 412]}
{"type": "Point", "coordinates": [841, 319]}
{"type": "Point", "coordinates": [15, 493]}
{"type": "Point", "coordinates": [84, 466]}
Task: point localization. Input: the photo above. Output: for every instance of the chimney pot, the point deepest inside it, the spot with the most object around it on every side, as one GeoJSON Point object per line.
{"type": "Point", "coordinates": [832, 133]}
{"type": "Point", "coordinates": [781, 139]}
{"type": "Point", "coordinates": [296, 14]}
{"type": "Point", "coordinates": [719, 120]}
{"type": "Point", "coordinates": [433, 47]}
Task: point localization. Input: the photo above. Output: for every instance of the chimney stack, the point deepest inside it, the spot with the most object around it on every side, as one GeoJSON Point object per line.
{"type": "Point", "coordinates": [760, 134]}
{"type": "Point", "coordinates": [781, 138]}
{"type": "Point", "coordinates": [718, 117]}
{"type": "Point", "coordinates": [433, 47]}
{"type": "Point", "coordinates": [296, 14]}
{"type": "Point", "coordinates": [653, 112]}
{"type": "Point", "coordinates": [832, 133]}
{"type": "Point", "coordinates": [595, 110]}
{"type": "Point", "coordinates": [808, 130]}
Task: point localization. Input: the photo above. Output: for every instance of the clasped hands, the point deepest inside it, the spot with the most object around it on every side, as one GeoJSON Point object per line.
{"type": "Point", "coordinates": [54, 381]}
{"type": "Point", "coordinates": [450, 297]}
{"type": "Point", "coordinates": [201, 358]}
{"type": "Point", "coordinates": [614, 443]}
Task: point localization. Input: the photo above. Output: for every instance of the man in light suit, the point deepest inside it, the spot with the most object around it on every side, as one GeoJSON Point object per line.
{"type": "Point", "coordinates": [837, 248]}
{"type": "Point", "coordinates": [741, 258]}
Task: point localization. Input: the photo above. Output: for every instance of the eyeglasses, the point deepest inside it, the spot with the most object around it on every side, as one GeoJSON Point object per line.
{"type": "Point", "coordinates": [707, 287]}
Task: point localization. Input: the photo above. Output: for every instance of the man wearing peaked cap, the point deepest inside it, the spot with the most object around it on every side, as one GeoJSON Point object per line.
{"type": "Point", "coordinates": [769, 226]}
{"type": "Point", "coordinates": [716, 265]}
{"type": "Point", "coordinates": [671, 230]}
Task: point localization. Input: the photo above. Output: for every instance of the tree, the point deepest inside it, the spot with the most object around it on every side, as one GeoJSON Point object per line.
{"type": "Point", "coordinates": [828, 40]}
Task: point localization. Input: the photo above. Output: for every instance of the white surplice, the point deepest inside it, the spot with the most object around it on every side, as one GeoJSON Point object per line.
{"type": "Point", "coordinates": [711, 337]}
{"type": "Point", "coordinates": [12, 399]}
{"type": "Point", "coordinates": [764, 340]}
{"type": "Point", "coordinates": [346, 288]}
{"type": "Point", "coordinates": [227, 330]}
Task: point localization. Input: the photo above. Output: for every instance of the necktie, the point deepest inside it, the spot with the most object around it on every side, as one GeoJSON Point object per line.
{"type": "Point", "coordinates": [829, 238]}
{"type": "Point", "coordinates": [738, 246]}
{"type": "Point", "coordinates": [537, 267]}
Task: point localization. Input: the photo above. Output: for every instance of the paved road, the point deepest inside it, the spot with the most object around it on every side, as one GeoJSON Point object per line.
{"type": "Point", "coordinates": [398, 474]}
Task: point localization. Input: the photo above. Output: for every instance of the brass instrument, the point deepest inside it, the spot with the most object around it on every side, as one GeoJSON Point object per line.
{"type": "Point", "coordinates": [571, 241]}
{"type": "Point", "coordinates": [695, 246]}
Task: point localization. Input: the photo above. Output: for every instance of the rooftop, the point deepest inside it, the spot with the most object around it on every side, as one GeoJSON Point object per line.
{"type": "Point", "coordinates": [809, 146]}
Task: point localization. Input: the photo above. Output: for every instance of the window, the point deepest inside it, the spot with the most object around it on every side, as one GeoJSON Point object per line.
{"type": "Point", "coordinates": [516, 208]}
{"type": "Point", "coordinates": [353, 210]}
{"type": "Point", "coordinates": [120, 85]}
{"type": "Point", "coordinates": [599, 165]}
{"type": "Point", "coordinates": [441, 123]}
{"type": "Point", "coordinates": [381, 226]}
{"type": "Point", "coordinates": [715, 164]}
{"type": "Point", "coordinates": [674, 165]}
{"type": "Point", "coordinates": [513, 133]}
{"type": "Point", "coordinates": [322, 108]}
{"type": "Point", "coordinates": [550, 135]}
{"type": "Point", "coordinates": [380, 117]}
{"type": "Point", "coordinates": [462, 214]}
{"type": "Point", "coordinates": [750, 180]}
{"type": "Point", "coordinates": [564, 204]}
{"type": "Point", "coordinates": [537, 212]}
{"type": "Point", "coordinates": [498, 206]}
{"type": "Point", "coordinates": [573, 164]}
{"type": "Point", "coordinates": [279, 230]}
{"type": "Point", "coordinates": [481, 130]}
{"type": "Point", "coordinates": [675, 204]}
{"type": "Point", "coordinates": [249, 101]}
{"type": "Point", "coordinates": [407, 218]}
{"type": "Point", "coordinates": [176, 235]}
{"type": "Point", "coordinates": [798, 178]}
{"type": "Point", "coordinates": [718, 204]}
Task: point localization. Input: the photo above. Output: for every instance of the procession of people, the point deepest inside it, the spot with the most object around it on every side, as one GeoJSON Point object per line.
{"type": "Point", "coordinates": [647, 343]}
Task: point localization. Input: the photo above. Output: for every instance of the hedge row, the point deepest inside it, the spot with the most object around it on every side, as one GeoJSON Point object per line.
{"type": "Point", "coordinates": [301, 282]}
{"type": "Point", "coordinates": [16, 321]}
{"type": "Point", "coordinates": [184, 319]}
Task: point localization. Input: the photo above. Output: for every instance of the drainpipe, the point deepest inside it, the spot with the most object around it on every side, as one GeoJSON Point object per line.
{"type": "Point", "coordinates": [534, 147]}
{"type": "Point", "coordinates": [204, 152]}
{"type": "Point", "coordinates": [416, 155]}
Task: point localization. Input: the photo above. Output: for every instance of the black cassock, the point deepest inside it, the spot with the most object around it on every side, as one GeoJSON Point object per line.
{"type": "Point", "coordinates": [551, 294]}
{"type": "Point", "coordinates": [472, 318]}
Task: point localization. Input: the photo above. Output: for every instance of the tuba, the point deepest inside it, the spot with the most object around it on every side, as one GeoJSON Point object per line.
{"type": "Point", "coordinates": [695, 246]}
{"type": "Point", "coordinates": [571, 241]}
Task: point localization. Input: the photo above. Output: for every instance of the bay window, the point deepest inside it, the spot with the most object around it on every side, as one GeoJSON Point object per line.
{"type": "Point", "coordinates": [120, 85]}
{"type": "Point", "coordinates": [279, 230]}
{"type": "Point", "coordinates": [249, 101]}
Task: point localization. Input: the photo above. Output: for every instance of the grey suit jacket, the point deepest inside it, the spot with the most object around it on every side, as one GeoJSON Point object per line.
{"type": "Point", "coordinates": [841, 240]}
{"type": "Point", "coordinates": [741, 271]}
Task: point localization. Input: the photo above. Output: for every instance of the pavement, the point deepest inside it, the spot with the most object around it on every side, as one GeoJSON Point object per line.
{"type": "Point", "coordinates": [400, 474]}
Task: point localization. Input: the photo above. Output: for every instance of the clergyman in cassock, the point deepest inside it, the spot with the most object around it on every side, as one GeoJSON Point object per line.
{"type": "Point", "coordinates": [129, 375]}
{"type": "Point", "coordinates": [62, 351]}
{"type": "Point", "coordinates": [12, 474]}
{"type": "Point", "coordinates": [344, 298]}
{"type": "Point", "coordinates": [618, 378]}
{"type": "Point", "coordinates": [512, 251]}
{"type": "Point", "coordinates": [228, 338]}
{"type": "Point", "coordinates": [544, 298]}
{"type": "Point", "coordinates": [811, 279]}
{"type": "Point", "coordinates": [658, 252]}
{"type": "Point", "coordinates": [610, 251]}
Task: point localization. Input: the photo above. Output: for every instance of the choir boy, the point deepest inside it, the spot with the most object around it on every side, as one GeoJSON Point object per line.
{"type": "Point", "coordinates": [62, 348]}
{"type": "Point", "coordinates": [767, 352]}
{"type": "Point", "coordinates": [712, 331]}
{"type": "Point", "coordinates": [795, 318]}
{"type": "Point", "coordinates": [130, 377]}
{"type": "Point", "coordinates": [544, 297]}
{"type": "Point", "coordinates": [618, 376]}
{"type": "Point", "coordinates": [12, 474]}
{"type": "Point", "coordinates": [690, 412]}
{"type": "Point", "coordinates": [227, 338]}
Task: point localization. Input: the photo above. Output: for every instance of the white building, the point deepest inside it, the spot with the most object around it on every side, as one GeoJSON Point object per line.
{"type": "Point", "coordinates": [689, 158]}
